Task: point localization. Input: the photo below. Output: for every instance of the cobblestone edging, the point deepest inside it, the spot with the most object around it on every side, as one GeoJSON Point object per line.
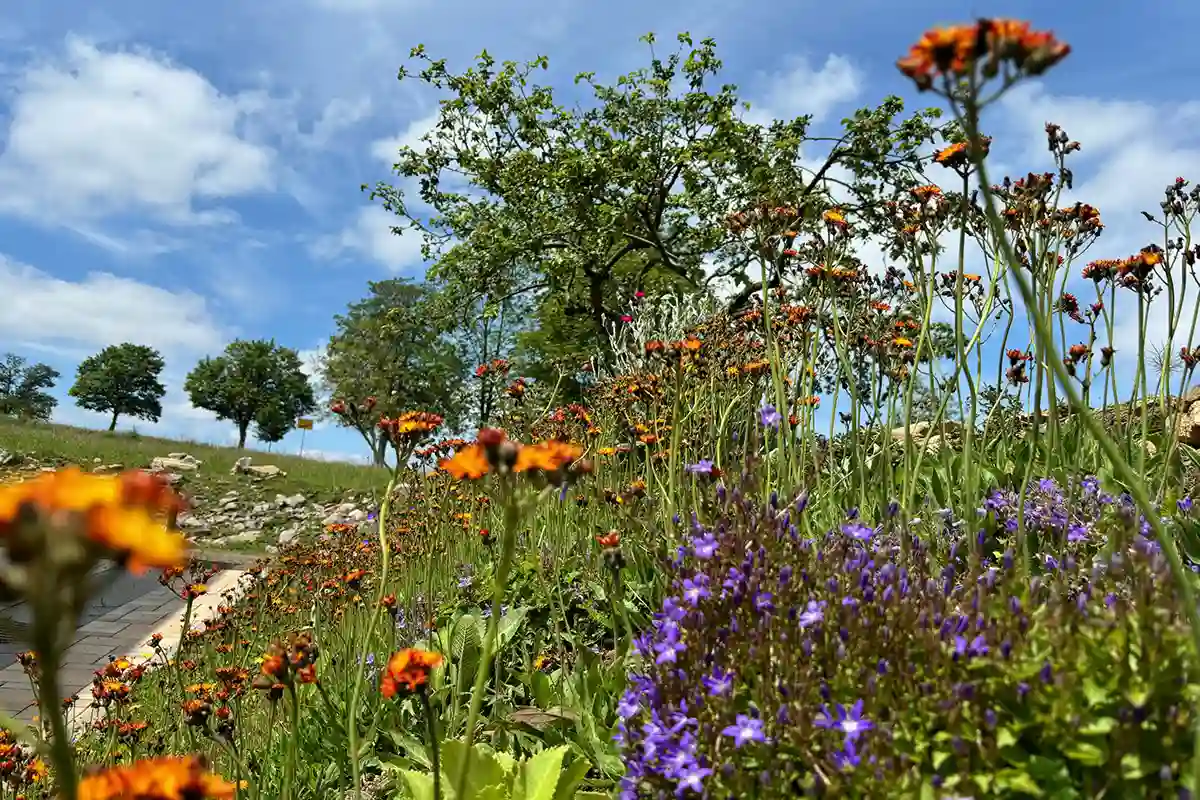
{"type": "Point", "coordinates": [122, 631]}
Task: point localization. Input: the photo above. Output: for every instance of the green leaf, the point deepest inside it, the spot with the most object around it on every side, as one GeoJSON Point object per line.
{"type": "Point", "coordinates": [1132, 768]}
{"type": "Point", "coordinates": [1017, 781]}
{"type": "Point", "coordinates": [484, 769]}
{"type": "Point", "coordinates": [420, 784]}
{"type": "Point", "coordinates": [465, 648]}
{"type": "Point", "coordinates": [1085, 753]}
{"type": "Point", "coordinates": [538, 776]}
{"type": "Point", "coordinates": [1094, 692]}
{"type": "Point", "coordinates": [510, 625]}
{"type": "Point", "coordinates": [1005, 738]}
{"type": "Point", "coordinates": [1098, 727]}
{"type": "Point", "coordinates": [570, 778]}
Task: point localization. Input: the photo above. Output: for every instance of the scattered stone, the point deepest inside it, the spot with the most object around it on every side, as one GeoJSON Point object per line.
{"type": "Point", "coordinates": [176, 462]}
{"type": "Point", "coordinates": [108, 469]}
{"type": "Point", "coordinates": [10, 459]}
{"type": "Point", "coordinates": [294, 501]}
{"type": "Point", "coordinates": [243, 467]}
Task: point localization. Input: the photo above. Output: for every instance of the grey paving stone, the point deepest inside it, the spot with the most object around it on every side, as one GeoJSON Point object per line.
{"type": "Point", "coordinates": [104, 627]}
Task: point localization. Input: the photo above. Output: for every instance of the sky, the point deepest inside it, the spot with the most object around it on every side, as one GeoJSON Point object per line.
{"type": "Point", "coordinates": [184, 174]}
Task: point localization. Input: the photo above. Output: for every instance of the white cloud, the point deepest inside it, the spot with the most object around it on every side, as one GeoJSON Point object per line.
{"type": "Point", "coordinates": [386, 149]}
{"type": "Point", "coordinates": [370, 234]}
{"type": "Point", "coordinates": [99, 133]}
{"type": "Point", "coordinates": [800, 89]}
{"type": "Point", "coordinates": [100, 310]}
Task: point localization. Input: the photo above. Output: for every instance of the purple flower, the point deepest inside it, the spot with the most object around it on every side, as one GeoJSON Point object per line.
{"type": "Point", "coordinates": [762, 602]}
{"type": "Point", "coordinates": [745, 729]}
{"type": "Point", "coordinates": [691, 778]}
{"type": "Point", "coordinates": [847, 758]}
{"type": "Point", "coordinates": [769, 417]}
{"type": "Point", "coordinates": [859, 531]}
{"type": "Point", "coordinates": [1184, 504]}
{"type": "Point", "coordinates": [669, 646]}
{"type": "Point", "coordinates": [813, 613]}
{"type": "Point", "coordinates": [850, 722]}
{"type": "Point", "coordinates": [702, 467]}
{"type": "Point", "coordinates": [719, 682]}
{"type": "Point", "coordinates": [696, 589]}
{"type": "Point", "coordinates": [704, 546]}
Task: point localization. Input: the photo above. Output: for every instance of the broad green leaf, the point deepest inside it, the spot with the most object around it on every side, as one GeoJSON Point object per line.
{"type": "Point", "coordinates": [1085, 753]}
{"type": "Point", "coordinates": [484, 769]}
{"type": "Point", "coordinates": [510, 625]}
{"type": "Point", "coordinates": [465, 649]}
{"type": "Point", "coordinates": [539, 775]}
{"type": "Point", "coordinates": [420, 785]}
{"type": "Point", "coordinates": [570, 778]}
{"type": "Point", "coordinates": [1017, 781]}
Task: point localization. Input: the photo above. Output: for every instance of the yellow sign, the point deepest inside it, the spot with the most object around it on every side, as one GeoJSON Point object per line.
{"type": "Point", "coordinates": [304, 424]}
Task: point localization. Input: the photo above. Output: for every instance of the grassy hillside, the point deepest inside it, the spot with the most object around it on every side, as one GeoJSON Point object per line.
{"type": "Point", "coordinates": [52, 444]}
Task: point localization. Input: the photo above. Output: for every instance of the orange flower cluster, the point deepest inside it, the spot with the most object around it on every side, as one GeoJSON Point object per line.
{"type": "Point", "coordinates": [498, 366]}
{"type": "Point", "coordinates": [167, 778]}
{"type": "Point", "coordinates": [408, 670]}
{"type": "Point", "coordinates": [129, 517]}
{"type": "Point", "coordinates": [1134, 272]}
{"type": "Point", "coordinates": [493, 451]}
{"type": "Point", "coordinates": [955, 51]}
{"type": "Point", "coordinates": [282, 664]}
{"type": "Point", "coordinates": [410, 426]}
{"type": "Point", "coordinates": [19, 765]}
{"type": "Point", "coordinates": [441, 448]}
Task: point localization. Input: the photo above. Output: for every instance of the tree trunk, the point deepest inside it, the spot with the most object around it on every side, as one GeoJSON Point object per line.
{"type": "Point", "coordinates": [379, 451]}
{"type": "Point", "coordinates": [242, 427]}
{"type": "Point", "coordinates": [112, 426]}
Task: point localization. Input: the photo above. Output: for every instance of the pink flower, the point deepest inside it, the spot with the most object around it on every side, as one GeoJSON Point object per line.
{"type": "Point", "coordinates": [626, 318]}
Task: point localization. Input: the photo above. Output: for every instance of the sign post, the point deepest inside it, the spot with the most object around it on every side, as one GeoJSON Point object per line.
{"type": "Point", "coordinates": [305, 425]}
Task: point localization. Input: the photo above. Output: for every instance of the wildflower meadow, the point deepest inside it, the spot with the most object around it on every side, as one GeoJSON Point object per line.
{"type": "Point", "coordinates": [919, 528]}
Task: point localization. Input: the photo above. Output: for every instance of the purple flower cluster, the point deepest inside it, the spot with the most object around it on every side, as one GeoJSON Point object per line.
{"type": "Point", "coordinates": [785, 663]}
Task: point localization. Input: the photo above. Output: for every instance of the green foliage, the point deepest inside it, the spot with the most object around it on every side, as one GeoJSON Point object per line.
{"type": "Point", "coordinates": [498, 776]}
{"type": "Point", "coordinates": [122, 379]}
{"type": "Point", "coordinates": [252, 382]}
{"type": "Point", "coordinates": [22, 388]}
{"type": "Point", "coordinates": [393, 346]}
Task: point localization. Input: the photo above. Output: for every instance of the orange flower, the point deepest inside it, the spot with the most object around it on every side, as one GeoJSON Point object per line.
{"type": "Point", "coordinates": [546, 456]}
{"type": "Point", "coordinates": [471, 463]}
{"type": "Point", "coordinates": [167, 778]}
{"type": "Point", "coordinates": [408, 669]}
{"type": "Point", "coordinates": [126, 515]}
{"type": "Point", "coordinates": [956, 50]}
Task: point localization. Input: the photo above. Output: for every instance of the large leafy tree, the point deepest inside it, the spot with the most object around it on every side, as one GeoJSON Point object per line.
{"type": "Point", "coordinates": [574, 207]}
{"type": "Point", "coordinates": [394, 345]}
{"type": "Point", "coordinates": [253, 381]}
{"type": "Point", "coordinates": [122, 379]}
{"type": "Point", "coordinates": [23, 388]}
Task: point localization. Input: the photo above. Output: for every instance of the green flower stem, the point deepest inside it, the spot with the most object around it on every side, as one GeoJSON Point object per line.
{"type": "Point", "coordinates": [434, 749]}
{"type": "Point", "coordinates": [365, 642]}
{"type": "Point", "coordinates": [508, 547]}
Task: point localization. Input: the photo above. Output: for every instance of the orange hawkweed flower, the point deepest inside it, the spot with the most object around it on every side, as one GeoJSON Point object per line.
{"type": "Point", "coordinates": [408, 669]}
{"type": "Point", "coordinates": [549, 456]}
{"type": "Point", "coordinates": [470, 463]}
{"type": "Point", "coordinates": [167, 778]}
{"type": "Point", "coordinates": [127, 515]}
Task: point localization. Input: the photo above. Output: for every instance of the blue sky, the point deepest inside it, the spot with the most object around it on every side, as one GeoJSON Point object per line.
{"type": "Point", "coordinates": [184, 174]}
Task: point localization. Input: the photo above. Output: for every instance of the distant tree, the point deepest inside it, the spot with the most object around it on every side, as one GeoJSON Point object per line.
{"type": "Point", "coordinates": [22, 388]}
{"type": "Point", "coordinates": [272, 424]}
{"type": "Point", "coordinates": [121, 379]}
{"type": "Point", "coordinates": [256, 382]}
{"type": "Point", "coordinates": [395, 346]}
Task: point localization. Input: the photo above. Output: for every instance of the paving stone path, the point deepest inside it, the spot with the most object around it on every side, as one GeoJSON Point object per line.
{"type": "Point", "coordinates": [117, 622]}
